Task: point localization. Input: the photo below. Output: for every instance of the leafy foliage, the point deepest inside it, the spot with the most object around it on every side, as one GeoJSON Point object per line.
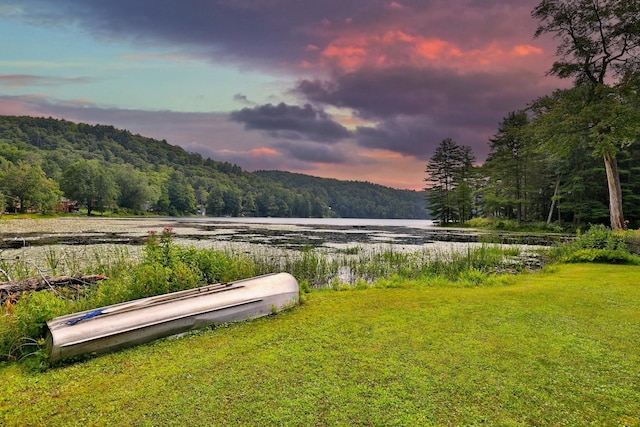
{"type": "Point", "coordinates": [600, 237]}
{"type": "Point", "coordinates": [600, 48]}
{"type": "Point", "coordinates": [26, 187]}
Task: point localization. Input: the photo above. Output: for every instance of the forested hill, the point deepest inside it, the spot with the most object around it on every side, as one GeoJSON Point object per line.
{"type": "Point", "coordinates": [356, 199]}
{"type": "Point", "coordinates": [104, 168]}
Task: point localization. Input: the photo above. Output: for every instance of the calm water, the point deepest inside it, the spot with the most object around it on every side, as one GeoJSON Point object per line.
{"type": "Point", "coordinates": [339, 222]}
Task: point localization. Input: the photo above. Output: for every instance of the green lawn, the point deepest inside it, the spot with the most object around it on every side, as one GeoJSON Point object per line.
{"type": "Point", "coordinates": [559, 348]}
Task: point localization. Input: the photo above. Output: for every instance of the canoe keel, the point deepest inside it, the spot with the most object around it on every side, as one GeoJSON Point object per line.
{"type": "Point", "coordinates": [136, 322]}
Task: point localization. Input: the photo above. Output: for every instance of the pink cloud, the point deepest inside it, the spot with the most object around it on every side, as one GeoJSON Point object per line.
{"type": "Point", "coordinates": [13, 81]}
{"type": "Point", "coordinates": [395, 5]}
{"type": "Point", "coordinates": [400, 48]}
{"type": "Point", "coordinates": [526, 50]}
{"type": "Point", "coordinates": [264, 151]}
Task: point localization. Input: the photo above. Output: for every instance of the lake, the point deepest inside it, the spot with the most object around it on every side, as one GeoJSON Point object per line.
{"type": "Point", "coordinates": [77, 240]}
{"type": "Point", "coordinates": [290, 233]}
{"type": "Point", "coordinates": [243, 233]}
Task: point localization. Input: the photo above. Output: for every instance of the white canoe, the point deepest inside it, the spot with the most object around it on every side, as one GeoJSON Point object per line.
{"type": "Point", "coordinates": [135, 322]}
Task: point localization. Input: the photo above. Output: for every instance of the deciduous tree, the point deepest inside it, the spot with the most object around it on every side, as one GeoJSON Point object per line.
{"type": "Point", "coordinates": [90, 183]}
{"type": "Point", "coordinates": [28, 187]}
{"type": "Point", "coordinates": [599, 47]}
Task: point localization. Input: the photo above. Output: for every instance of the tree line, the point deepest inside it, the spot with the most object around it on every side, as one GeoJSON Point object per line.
{"type": "Point", "coordinates": [572, 156]}
{"type": "Point", "coordinates": [49, 164]}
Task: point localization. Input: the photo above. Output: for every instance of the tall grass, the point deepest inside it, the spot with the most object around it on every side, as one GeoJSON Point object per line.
{"type": "Point", "coordinates": [321, 269]}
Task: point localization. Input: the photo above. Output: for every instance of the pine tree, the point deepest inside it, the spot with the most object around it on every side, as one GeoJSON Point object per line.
{"type": "Point", "coordinates": [448, 190]}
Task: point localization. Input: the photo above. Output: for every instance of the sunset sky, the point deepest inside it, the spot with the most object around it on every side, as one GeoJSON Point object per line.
{"type": "Point", "coordinates": [350, 89]}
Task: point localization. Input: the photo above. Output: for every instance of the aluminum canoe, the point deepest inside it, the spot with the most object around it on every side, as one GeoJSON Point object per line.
{"type": "Point", "coordinates": [135, 322]}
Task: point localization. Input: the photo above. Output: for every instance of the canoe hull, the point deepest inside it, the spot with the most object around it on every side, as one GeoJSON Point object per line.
{"type": "Point", "coordinates": [136, 322]}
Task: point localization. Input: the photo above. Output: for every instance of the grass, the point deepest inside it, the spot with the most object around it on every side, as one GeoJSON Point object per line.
{"type": "Point", "coordinates": [551, 348]}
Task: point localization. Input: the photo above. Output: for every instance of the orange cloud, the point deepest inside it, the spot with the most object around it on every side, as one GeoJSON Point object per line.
{"type": "Point", "coordinates": [398, 48]}
{"type": "Point", "coordinates": [435, 49]}
{"type": "Point", "coordinates": [263, 151]}
{"type": "Point", "coordinates": [526, 50]}
{"type": "Point", "coordinates": [347, 54]}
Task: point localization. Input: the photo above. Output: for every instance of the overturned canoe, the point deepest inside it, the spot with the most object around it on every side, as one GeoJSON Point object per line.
{"type": "Point", "coordinates": [135, 322]}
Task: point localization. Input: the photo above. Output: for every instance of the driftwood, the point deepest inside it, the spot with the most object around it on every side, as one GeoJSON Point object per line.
{"type": "Point", "coordinates": [11, 291]}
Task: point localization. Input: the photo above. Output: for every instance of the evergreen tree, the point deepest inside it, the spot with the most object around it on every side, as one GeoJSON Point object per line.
{"type": "Point", "coordinates": [518, 177]}
{"type": "Point", "coordinates": [448, 173]}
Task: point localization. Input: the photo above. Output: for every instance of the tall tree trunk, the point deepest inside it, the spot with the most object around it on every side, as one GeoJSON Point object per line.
{"type": "Point", "coordinates": [615, 192]}
{"type": "Point", "coordinates": [553, 200]}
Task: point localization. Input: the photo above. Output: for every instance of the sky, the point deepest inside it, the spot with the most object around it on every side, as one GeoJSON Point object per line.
{"type": "Point", "coordinates": [361, 90]}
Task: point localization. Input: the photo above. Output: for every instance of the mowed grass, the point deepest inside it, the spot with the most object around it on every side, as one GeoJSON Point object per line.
{"type": "Point", "coordinates": [559, 347]}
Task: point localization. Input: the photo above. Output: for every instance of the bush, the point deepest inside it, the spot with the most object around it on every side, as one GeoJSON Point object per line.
{"type": "Point", "coordinates": [597, 244]}
{"type": "Point", "coordinates": [479, 222]}
{"type": "Point", "coordinates": [608, 256]}
{"type": "Point", "coordinates": [600, 237]}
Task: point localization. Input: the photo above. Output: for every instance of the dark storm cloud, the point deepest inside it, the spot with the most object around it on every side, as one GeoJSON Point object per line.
{"type": "Point", "coordinates": [416, 108]}
{"type": "Point", "coordinates": [292, 122]}
{"type": "Point", "coordinates": [381, 93]}
{"type": "Point", "coordinates": [419, 137]}
{"type": "Point", "coordinates": [409, 136]}
{"type": "Point", "coordinates": [248, 31]}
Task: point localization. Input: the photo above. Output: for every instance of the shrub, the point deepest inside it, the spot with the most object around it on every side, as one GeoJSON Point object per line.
{"type": "Point", "coordinates": [600, 237]}
{"type": "Point", "coordinates": [608, 256]}
{"type": "Point", "coordinates": [597, 244]}
{"type": "Point", "coordinates": [504, 224]}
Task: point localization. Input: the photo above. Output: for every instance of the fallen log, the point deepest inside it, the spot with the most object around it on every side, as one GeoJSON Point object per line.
{"type": "Point", "coordinates": [11, 291]}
